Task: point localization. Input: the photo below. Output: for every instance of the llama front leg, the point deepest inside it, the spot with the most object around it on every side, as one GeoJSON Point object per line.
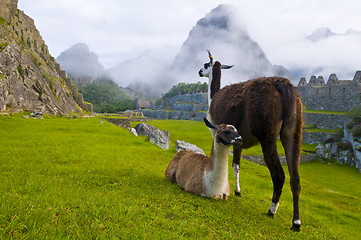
{"type": "Point", "coordinates": [237, 152]}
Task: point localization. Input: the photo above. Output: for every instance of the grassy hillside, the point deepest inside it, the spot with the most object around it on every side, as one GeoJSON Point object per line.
{"type": "Point", "coordinates": [85, 178]}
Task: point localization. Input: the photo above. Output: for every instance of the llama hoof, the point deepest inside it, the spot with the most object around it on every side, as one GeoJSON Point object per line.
{"type": "Point", "coordinates": [225, 197]}
{"type": "Point", "coordinates": [238, 194]}
{"type": "Point", "coordinates": [270, 214]}
{"type": "Point", "coordinates": [296, 227]}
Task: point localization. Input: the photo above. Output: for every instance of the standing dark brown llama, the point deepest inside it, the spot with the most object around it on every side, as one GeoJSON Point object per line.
{"type": "Point", "coordinates": [261, 109]}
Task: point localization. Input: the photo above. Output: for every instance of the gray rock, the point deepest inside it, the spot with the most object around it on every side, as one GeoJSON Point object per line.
{"type": "Point", "coordinates": [155, 136]}
{"type": "Point", "coordinates": [182, 145]}
{"type": "Point", "coordinates": [37, 115]}
{"type": "Point", "coordinates": [356, 147]}
{"type": "Point", "coordinates": [132, 130]}
{"type": "Point", "coordinates": [320, 151]}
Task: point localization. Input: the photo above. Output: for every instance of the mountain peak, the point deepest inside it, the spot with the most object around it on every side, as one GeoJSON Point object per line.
{"type": "Point", "coordinates": [224, 34]}
{"type": "Point", "coordinates": [81, 64]}
{"type": "Point", "coordinates": [320, 33]}
{"type": "Point", "coordinates": [219, 17]}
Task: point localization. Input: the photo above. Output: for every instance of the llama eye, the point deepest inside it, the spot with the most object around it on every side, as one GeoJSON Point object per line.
{"type": "Point", "coordinates": [205, 66]}
{"type": "Point", "coordinates": [227, 132]}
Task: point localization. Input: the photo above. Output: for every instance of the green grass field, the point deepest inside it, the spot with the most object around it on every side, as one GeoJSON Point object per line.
{"type": "Point", "coordinates": [88, 179]}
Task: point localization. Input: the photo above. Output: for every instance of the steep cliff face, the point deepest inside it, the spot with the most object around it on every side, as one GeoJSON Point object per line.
{"type": "Point", "coordinates": [8, 9]}
{"type": "Point", "coordinates": [30, 78]}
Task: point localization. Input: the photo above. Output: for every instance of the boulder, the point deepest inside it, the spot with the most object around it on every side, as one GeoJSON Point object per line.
{"type": "Point", "coordinates": [128, 113]}
{"type": "Point", "coordinates": [182, 145]}
{"type": "Point", "coordinates": [356, 147]}
{"type": "Point", "coordinates": [320, 151]}
{"type": "Point", "coordinates": [155, 136]}
{"type": "Point", "coordinates": [132, 130]}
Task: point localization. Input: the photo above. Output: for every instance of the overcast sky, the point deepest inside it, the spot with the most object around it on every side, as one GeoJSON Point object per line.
{"type": "Point", "coordinates": [120, 29]}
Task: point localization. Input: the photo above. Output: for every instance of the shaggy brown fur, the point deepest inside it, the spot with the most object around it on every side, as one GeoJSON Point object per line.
{"type": "Point", "coordinates": [263, 109]}
{"type": "Point", "coordinates": [190, 180]}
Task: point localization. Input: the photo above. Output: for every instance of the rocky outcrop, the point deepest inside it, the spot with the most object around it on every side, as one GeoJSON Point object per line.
{"type": "Point", "coordinates": [30, 78]}
{"type": "Point", "coordinates": [8, 9]}
{"type": "Point", "coordinates": [154, 135]}
{"type": "Point", "coordinates": [182, 145]}
{"type": "Point", "coordinates": [347, 151]}
{"type": "Point", "coordinates": [356, 147]}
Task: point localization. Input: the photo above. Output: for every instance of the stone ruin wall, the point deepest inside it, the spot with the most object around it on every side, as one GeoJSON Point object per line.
{"type": "Point", "coordinates": [335, 95]}
{"type": "Point", "coordinates": [187, 106]}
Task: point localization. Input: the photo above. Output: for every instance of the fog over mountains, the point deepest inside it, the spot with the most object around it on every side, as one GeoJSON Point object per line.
{"type": "Point", "coordinates": [226, 37]}
{"type": "Point", "coordinates": [151, 67]}
{"type": "Point", "coordinates": [324, 52]}
{"type": "Point", "coordinates": [224, 34]}
{"type": "Point", "coordinates": [81, 64]}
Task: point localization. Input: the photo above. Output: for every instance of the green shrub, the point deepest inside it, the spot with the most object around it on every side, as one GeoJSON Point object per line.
{"type": "Point", "coordinates": [3, 46]}
{"type": "Point", "coordinates": [344, 146]}
{"type": "Point", "coordinates": [20, 70]}
{"type": "Point", "coordinates": [186, 88]}
{"type": "Point", "coordinates": [355, 113]}
{"type": "Point", "coordinates": [2, 21]}
{"type": "Point", "coordinates": [356, 131]}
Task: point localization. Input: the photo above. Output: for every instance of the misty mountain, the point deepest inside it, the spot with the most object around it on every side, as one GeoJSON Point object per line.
{"type": "Point", "coordinates": [81, 64]}
{"type": "Point", "coordinates": [149, 69]}
{"type": "Point", "coordinates": [226, 37]}
{"type": "Point", "coordinates": [319, 34]}
{"type": "Point", "coordinates": [325, 52]}
{"type": "Point", "coordinates": [326, 33]}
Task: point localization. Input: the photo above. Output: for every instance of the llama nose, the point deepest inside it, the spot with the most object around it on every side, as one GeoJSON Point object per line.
{"type": "Point", "coordinates": [200, 73]}
{"type": "Point", "coordinates": [237, 141]}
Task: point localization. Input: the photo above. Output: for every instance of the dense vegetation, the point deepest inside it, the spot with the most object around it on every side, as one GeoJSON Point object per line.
{"type": "Point", "coordinates": [88, 179]}
{"type": "Point", "coordinates": [184, 88]}
{"type": "Point", "coordinates": [107, 96]}
{"type": "Point", "coordinates": [355, 124]}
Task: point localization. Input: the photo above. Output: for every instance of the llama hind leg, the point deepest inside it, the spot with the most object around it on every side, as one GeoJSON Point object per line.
{"type": "Point", "coordinates": [278, 176]}
{"type": "Point", "coordinates": [292, 148]}
{"type": "Point", "coordinates": [237, 152]}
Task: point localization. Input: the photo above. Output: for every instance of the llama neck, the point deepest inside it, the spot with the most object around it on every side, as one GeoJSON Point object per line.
{"type": "Point", "coordinates": [214, 82]}
{"type": "Point", "coordinates": [210, 78]}
{"type": "Point", "coordinates": [217, 177]}
{"type": "Point", "coordinates": [219, 156]}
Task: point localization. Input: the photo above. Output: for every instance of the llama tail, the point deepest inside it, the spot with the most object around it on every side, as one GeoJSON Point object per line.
{"type": "Point", "coordinates": [292, 112]}
{"type": "Point", "coordinates": [289, 95]}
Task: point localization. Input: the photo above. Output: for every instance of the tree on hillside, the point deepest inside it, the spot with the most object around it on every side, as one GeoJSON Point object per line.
{"type": "Point", "coordinates": [107, 96]}
{"type": "Point", "coordinates": [186, 88]}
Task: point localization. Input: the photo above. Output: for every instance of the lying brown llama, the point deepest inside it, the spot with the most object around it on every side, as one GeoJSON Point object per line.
{"type": "Point", "coordinates": [261, 109]}
{"type": "Point", "coordinates": [202, 175]}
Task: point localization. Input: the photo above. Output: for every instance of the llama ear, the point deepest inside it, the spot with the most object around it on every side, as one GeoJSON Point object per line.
{"type": "Point", "coordinates": [226, 66]}
{"type": "Point", "coordinates": [210, 57]}
{"type": "Point", "coordinates": [210, 125]}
